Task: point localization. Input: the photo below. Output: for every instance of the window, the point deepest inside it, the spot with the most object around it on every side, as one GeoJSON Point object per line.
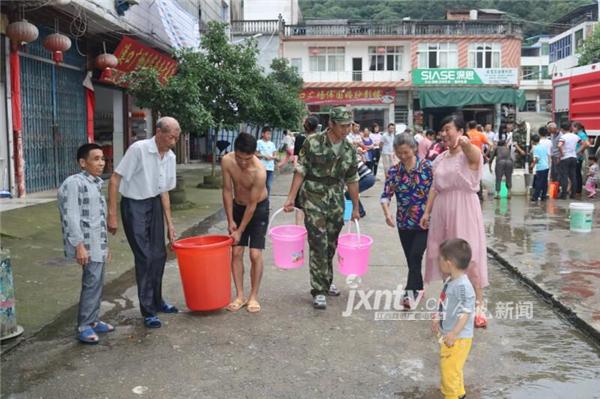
{"type": "Point", "coordinates": [560, 49]}
{"type": "Point", "coordinates": [385, 58]}
{"type": "Point", "coordinates": [545, 48]}
{"type": "Point", "coordinates": [438, 55]}
{"type": "Point", "coordinates": [578, 39]}
{"type": "Point", "coordinates": [484, 55]}
{"type": "Point", "coordinates": [531, 72]}
{"type": "Point", "coordinates": [545, 73]}
{"type": "Point", "coordinates": [530, 106]}
{"type": "Point", "coordinates": [296, 63]}
{"type": "Point", "coordinates": [326, 59]}
{"type": "Point", "coordinates": [401, 114]}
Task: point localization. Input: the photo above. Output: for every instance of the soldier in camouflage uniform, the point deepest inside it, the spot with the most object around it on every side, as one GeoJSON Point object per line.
{"type": "Point", "coordinates": [327, 162]}
{"type": "Point", "coordinates": [519, 142]}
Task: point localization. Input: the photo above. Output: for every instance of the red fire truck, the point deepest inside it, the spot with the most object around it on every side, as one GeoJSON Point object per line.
{"type": "Point", "coordinates": [576, 97]}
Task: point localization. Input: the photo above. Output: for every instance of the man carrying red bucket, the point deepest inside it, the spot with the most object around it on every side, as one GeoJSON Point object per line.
{"type": "Point", "coordinates": [327, 163]}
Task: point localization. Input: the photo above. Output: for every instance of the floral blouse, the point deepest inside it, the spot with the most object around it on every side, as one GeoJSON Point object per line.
{"type": "Point", "coordinates": [411, 189]}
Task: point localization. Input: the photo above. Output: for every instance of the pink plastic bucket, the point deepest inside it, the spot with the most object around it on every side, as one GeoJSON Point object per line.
{"type": "Point", "coordinates": [288, 244]}
{"type": "Point", "coordinates": [353, 252]}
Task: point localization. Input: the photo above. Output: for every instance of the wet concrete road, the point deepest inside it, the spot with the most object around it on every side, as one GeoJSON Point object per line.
{"type": "Point", "coordinates": [290, 350]}
{"type": "Point", "coordinates": [535, 239]}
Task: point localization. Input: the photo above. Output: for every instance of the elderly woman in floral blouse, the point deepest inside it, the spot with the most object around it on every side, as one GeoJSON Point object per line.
{"type": "Point", "coordinates": [410, 181]}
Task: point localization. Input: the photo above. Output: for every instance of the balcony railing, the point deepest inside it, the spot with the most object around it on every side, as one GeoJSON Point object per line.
{"type": "Point", "coordinates": [255, 26]}
{"type": "Point", "coordinates": [407, 28]}
{"type": "Point", "coordinates": [356, 76]}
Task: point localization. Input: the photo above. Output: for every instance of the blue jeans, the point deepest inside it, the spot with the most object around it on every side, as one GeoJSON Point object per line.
{"type": "Point", "coordinates": [269, 181]}
{"type": "Point", "coordinates": [365, 183]}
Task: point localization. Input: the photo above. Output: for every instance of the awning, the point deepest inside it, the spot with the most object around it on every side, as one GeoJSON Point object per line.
{"type": "Point", "coordinates": [457, 97]}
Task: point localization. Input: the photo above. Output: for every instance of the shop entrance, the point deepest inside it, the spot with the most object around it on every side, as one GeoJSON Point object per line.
{"type": "Point", "coordinates": [367, 117]}
{"type": "Point", "coordinates": [108, 124]}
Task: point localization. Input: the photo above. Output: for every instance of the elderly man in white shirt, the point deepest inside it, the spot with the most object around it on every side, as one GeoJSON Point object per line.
{"type": "Point", "coordinates": [144, 178]}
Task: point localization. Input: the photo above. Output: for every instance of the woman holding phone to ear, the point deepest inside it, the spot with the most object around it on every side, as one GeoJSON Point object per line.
{"type": "Point", "coordinates": [453, 209]}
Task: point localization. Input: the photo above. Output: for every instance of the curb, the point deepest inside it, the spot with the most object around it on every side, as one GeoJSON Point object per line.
{"type": "Point", "coordinates": [567, 313]}
{"type": "Point", "coordinates": [65, 314]}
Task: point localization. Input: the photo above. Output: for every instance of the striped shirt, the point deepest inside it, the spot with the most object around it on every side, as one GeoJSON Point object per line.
{"type": "Point", "coordinates": [83, 215]}
{"type": "Point", "coordinates": [363, 170]}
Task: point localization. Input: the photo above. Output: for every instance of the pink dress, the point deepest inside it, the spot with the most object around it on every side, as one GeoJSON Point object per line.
{"type": "Point", "coordinates": [456, 213]}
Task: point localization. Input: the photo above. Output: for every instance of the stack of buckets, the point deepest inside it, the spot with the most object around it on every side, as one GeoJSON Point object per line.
{"type": "Point", "coordinates": [353, 248]}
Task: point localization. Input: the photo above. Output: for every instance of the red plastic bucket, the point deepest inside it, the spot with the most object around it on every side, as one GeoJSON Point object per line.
{"type": "Point", "coordinates": [205, 269]}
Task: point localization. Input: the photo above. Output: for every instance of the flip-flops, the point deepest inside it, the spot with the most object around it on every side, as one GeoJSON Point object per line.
{"type": "Point", "coordinates": [167, 308]}
{"type": "Point", "coordinates": [102, 327]}
{"type": "Point", "coordinates": [88, 336]}
{"type": "Point", "coordinates": [152, 322]}
{"type": "Point", "coordinates": [236, 305]}
{"type": "Point", "coordinates": [253, 306]}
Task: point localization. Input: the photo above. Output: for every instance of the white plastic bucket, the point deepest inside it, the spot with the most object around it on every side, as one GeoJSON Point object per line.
{"type": "Point", "coordinates": [580, 214]}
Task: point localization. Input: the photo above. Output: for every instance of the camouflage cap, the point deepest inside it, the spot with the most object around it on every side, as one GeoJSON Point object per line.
{"type": "Point", "coordinates": [340, 115]}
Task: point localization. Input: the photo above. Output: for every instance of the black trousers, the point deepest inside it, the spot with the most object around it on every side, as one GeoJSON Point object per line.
{"type": "Point", "coordinates": [376, 157]}
{"type": "Point", "coordinates": [579, 177]}
{"type": "Point", "coordinates": [414, 243]}
{"type": "Point", "coordinates": [568, 171]}
{"type": "Point", "coordinates": [144, 227]}
{"type": "Point", "coordinates": [540, 185]}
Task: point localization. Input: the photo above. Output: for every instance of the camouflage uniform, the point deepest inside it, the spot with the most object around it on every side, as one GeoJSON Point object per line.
{"type": "Point", "coordinates": [322, 197]}
{"type": "Point", "coordinates": [519, 137]}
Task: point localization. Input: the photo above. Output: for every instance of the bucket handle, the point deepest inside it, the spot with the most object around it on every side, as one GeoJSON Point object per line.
{"type": "Point", "coordinates": [277, 212]}
{"type": "Point", "coordinates": [357, 228]}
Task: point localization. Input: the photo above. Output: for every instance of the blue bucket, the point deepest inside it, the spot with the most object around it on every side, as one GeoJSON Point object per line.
{"type": "Point", "coordinates": [347, 210]}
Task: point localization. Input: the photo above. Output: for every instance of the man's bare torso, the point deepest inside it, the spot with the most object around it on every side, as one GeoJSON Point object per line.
{"type": "Point", "coordinates": [244, 179]}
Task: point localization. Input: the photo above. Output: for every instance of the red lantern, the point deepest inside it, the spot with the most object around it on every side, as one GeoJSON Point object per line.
{"type": "Point", "coordinates": [22, 32]}
{"type": "Point", "coordinates": [106, 62]}
{"type": "Point", "coordinates": [58, 44]}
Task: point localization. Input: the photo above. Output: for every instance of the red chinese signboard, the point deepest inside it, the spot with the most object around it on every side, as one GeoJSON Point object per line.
{"type": "Point", "coordinates": [133, 55]}
{"type": "Point", "coordinates": [348, 96]}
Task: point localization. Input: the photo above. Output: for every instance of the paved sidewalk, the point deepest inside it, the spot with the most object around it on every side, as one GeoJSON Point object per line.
{"type": "Point", "coordinates": [46, 285]}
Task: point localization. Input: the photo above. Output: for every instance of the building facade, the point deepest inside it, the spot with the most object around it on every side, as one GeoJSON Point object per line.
{"type": "Point", "coordinates": [53, 106]}
{"type": "Point", "coordinates": [536, 80]}
{"type": "Point", "coordinates": [411, 72]}
{"type": "Point", "coordinates": [572, 29]}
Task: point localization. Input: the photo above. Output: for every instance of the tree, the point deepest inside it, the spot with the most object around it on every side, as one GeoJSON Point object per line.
{"type": "Point", "coordinates": [179, 96]}
{"type": "Point", "coordinates": [282, 106]}
{"type": "Point", "coordinates": [590, 52]}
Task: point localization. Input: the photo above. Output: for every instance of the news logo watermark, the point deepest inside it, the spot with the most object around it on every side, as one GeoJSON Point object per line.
{"type": "Point", "coordinates": [400, 305]}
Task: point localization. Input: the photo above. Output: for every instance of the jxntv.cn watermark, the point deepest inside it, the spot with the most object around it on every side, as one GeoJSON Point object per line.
{"type": "Point", "coordinates": [390, 305]}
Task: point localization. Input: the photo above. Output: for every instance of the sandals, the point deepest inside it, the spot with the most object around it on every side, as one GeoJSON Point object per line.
{"type": "Point", "coordinates": [152, 322]}
{"type": "Point", "coordinates": [167, 308]}
{"type": "Point", "coordinates": [253, 306]}
{"type": "Point", "coordinates": [236, 305]}
{"type": "Point", "coordinates": [88, 336]}
{"type": "Point", "coordinates": [102, 327]}
{"type": "Point", "coordinates": [320, 302]}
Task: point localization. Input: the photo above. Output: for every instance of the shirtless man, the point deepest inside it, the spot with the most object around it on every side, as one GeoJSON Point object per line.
{"type": "Point", "coordinates": [245, 177]}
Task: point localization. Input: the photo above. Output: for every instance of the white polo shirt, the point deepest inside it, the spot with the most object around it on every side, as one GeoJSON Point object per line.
{"type": "Point", "coordinates": [144, 174]}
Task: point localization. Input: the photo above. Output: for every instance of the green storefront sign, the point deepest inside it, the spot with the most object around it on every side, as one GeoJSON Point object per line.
{"type": "Point", "coordinates": [465, 76]}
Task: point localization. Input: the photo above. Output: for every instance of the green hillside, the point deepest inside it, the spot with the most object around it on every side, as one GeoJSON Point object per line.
{"type": "Point", "coordinates": [536, 16]}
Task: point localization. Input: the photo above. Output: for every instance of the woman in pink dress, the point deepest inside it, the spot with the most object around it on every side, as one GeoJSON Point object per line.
{"type": "Point", "coordinates": [453, 209]}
